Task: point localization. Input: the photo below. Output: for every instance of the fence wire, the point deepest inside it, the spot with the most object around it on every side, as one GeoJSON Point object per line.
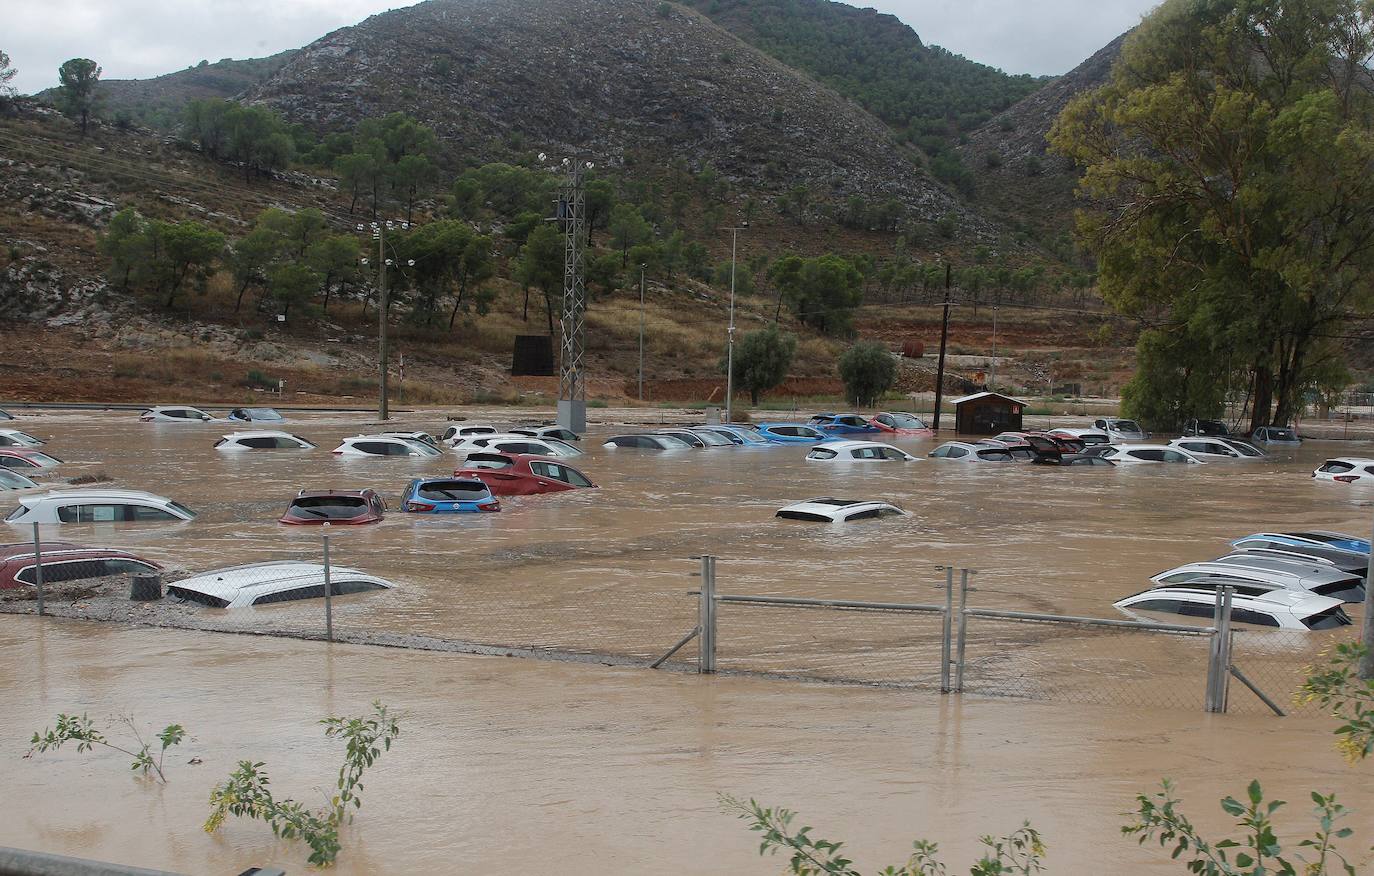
{"type": "Point", "coordinates": [1278, 662]}
{"type": "Point", "coordinates": [1082, 663]}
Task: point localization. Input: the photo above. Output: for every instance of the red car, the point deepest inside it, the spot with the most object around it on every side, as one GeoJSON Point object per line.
{"type": "Point", "coordinates": [522, 474]}
{"type": "Point", "coordinates": [63, 561]}
{"type": "Point", "coordinates": [335, 507]}
{"type": "Point", "coordinates": [26, 460]}
{"type": "Point", "coordinates": [902, 423]}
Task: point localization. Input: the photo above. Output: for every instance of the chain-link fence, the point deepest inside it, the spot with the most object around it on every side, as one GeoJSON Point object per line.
{"type": "Point", "coordinates": [332, 588]}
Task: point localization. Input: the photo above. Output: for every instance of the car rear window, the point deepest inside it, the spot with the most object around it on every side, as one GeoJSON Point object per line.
{"type": "Point", "coordinates": [328, 507]}
{"type": "Point", "coordinates": [821, 453]}
{"type": "Point", "coordinates": [197, 597]}
{"type": "Point", "coordinates": [1333, 617]}
{"type": "Point", "coordinates": [316, 591]}
{"type": "Point", "coordinates": [487, 461]}
{"type": "Point", "coordinates": [453, 491]}
{"type": "Point", "coordinates": [804, 515]}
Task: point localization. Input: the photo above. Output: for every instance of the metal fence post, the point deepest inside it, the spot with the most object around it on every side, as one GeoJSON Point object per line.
{"type": "Point", "coordinates": [946, 629]}
{"type": "Point", "coordinates": [38, 568]}
{"type": "Point", "coordinates": [328, 593]}
{"type": "Point", "coordinates": [963, 629]}
{"type": "Point", "coordinates": [1224, 665]}
{"type": "Point", "coordinates": [1219, 654]}
{"type": "Point", "coordinates": [706, 642]}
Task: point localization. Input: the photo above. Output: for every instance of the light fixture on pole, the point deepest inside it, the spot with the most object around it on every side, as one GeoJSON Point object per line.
{"type": "Point", "coordinates": [379, 230]}
{"type": "Point", "coordinates": [993, 378]}
{"type": "Point", "coordinates": [730, 339]}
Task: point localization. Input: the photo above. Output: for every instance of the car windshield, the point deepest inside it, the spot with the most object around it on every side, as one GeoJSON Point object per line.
{"type": "Point", "coordinates": [453, 491]}
{"type": "Point", "coordinates": [1282, 435]}
{"type": "Point", "coordinates": [1126, 426]}
{"type": "Point", "coordinates": [907, 421]}
{"type": "Point", "coordinates": [671, 443]}
{"type": "Point", "coordinates": [487, 461]}
{"type": "Point", "coordinates": [43, 459]}
{"type": "Point", "coordinates": [14, 480]}
{"type": "Point", "coordinates": [328, 507]}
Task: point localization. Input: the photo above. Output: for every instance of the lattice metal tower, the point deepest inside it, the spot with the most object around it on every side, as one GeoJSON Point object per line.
{"type": "Point", "coordinates": [572, 382]}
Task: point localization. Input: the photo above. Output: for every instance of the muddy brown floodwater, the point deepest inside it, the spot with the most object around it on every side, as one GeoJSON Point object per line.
{"type": "Point", "coordinates": [512, 765]}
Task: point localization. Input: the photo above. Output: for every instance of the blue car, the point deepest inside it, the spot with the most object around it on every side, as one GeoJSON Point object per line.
{"type": "Point", "coordinates": [448, 496]}
{"type": "Point", "coordinates": [792, 433]}
{"type": "Point", "coordinates": [843, 424]}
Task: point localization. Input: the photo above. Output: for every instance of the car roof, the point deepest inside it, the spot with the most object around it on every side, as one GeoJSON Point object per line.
{"type": "Point", "coordinates": [95, 494]}
{"type": "Point", "coordinates": [1302, 603]}
{"type": "Point", "coordinates": [850, 445]}
{"type": "Point", "coordinates": [354, 494]}
{"type": "Point", "coordinates": [262, 433]}
{"type": "Point", "coordinates": [23, 452]}
{"type": "Point", "coordinates": [268, 577]}
{"type": "Point", "coordinates": [1353, 460]}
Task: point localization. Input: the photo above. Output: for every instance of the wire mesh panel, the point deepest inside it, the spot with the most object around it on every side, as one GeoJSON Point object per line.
{"type": "Point", "coordinates": [891, 648]}
{"type": "Point", "coordinates": [1073, 662]}
{"type": "Point", "coordinates": [1277, 662]}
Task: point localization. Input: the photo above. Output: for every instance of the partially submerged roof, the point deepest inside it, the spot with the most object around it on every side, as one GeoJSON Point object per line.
{"type": "Point", "coordinates": [978, 395]}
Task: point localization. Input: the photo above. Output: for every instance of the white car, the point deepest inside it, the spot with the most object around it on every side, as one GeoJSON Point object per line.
{"type": "Point", "coordinates": [175, 414]}
{"type": "Point", "coordinates": [1210, 449]}
{"type": "Point", "coordinates": [1285, 609]}
{"type": "Point", "coordinates": [13, 480]}
{"type": "Point", "coordinates": [1347, 470]}
{"type": "Point", "coordinates": [1089, 437]}
{"type": "Point", "coordinates": [15, 438]}
{"type": "Point", "coordinates": [264, 583]}
{"type": "Point", "coordinates": [962, 451]}
{"type": "Point", "coordinates": [825, 509]}
{"type": "Point", "coordinates": [463, 430]}
{"type": "Point", "coordinates": [646, 442]}
{"type": "Point", "coordinates": [98, 506]}
{"type": "Point", "coordinates": [863, 451]}
{"type": "Point", "coordinates": [1265, 572]}
{"type": "Point", "coordinates": [263, 440]}
{"type": "Point", "coordinates": [547, 432]}
{"type": "Point", "coordinates": [738, 437]}
{"type": "Point", "coordinates": [422, 437]}
{"type": "Point", "coordinates": [1131, 454]}
{"type": "Point", "coordinates": [1119, 430]}
{"type": "Point", "coordinates": [384, 445]}
{"type": "Point", "coordinates": [507, 442]}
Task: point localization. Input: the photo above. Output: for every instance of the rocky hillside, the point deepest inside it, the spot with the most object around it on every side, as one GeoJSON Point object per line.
{"type": "Point", "coordinates": [1016, 173]}
{"type": "Point", "coordinates": [637, 83]}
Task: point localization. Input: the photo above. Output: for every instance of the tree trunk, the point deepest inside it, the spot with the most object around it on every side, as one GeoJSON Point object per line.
{"type": "Point", "coordinates": [242, 289]}
{"type": "Point", "coordinates": [525, 316]}
{"type": "Point", "coordinates": [548, 309]}
{"type": "Point", "coordinates": [353, 203]}
{"type": "Point", "coordinates": [1263, 396]}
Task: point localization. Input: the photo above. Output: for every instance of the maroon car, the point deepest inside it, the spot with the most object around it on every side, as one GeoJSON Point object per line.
{"type": "Point", "coordinates": [335, 507]}
{"type": "Point", "coordinates": [25, 460]}
{"type": "Point", "coordinates": [522, 474]}
{"type": "Point", "coordinates": [63, 561]}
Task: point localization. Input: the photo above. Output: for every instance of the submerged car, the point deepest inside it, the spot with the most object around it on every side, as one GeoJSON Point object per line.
{"type": "Point", "coordinates": [825, 509]}
{"type": "Point", "coordinates": [1276, 436]}
{"type": "Point", "coordinates": [264, 583]}
{"type": "Point", "coordinates": [962, 451]}
{"type": "Point", "coordinates": [175, 414]}
{"type": "Point", "coordinates": [1346, 470]}
{"type": "Point", "coordinates": [26, 459]}
{"type": "Point", "coordinates": [1079, 459]}
{"type": "Point", "coordinates": [384, 445]}
{"type": "Point", "coordinates": [1119, 430]}
{"type": "Point", "coordinates": [510, 443]}
{"type": "Point", "coordinates": [1211, 449]}
{"type": "Point", "coordinates": [520, 474]}
{"type": "Point", "coordinates": [1020, 450]}
{"type": "Point", "coordinates": [547, 432]}
{"type": "Point", "coordinates": [98, 506]}
{"type": "Point", "coordinates": [255, 415]}
{"type": "Point", "coordinates": [860, 451]}
{"type": "Point", "coordinates": [1132, 454]}
{"type": "Point", "coordinates": [1089, 437]}
{"type": "Point", "coordinates": [843, 424]}
{"type": "Point", "coordinates": [791, 433]}
{"type": "Point", "coordinates": [336, 507]}
{"type": "Point", "coordinates": [1285, 609]}
{"type": "Point", "coordinates": [643, 441]}
{"type": "Point", "coordinates": [744, 436]}
{"type": "Point", "coordinates": [263, 440]}
{"type": "Point", "coordinates": [13, 480]}
{"type": "Point", "coordinates": [16, 438]}
{"type": "Point", "coordinates": [1205, 429]}
{"type": "Point", "coordinates": [1268, 572]}
{"type": "Point", "coordinates": [4, 415]}
{"type": "Point", "coordinates": [1318, 543]}
{"type": "Point", "coordinates": [463, 430]}
{"type": "Point", "coordinates": [902, 423]}
{"type": "Point", "coordinates": [456, 495]}
{"type": "Point", "coordinates": [63, 561]}
{"type": "Point", "coordinates": [420, 437]}
{"type": "Point", "coordinates": [686, 436]}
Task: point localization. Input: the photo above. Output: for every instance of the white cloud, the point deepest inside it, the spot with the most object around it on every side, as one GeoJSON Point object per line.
{"type": "Point", "coordinates": [143, 38]}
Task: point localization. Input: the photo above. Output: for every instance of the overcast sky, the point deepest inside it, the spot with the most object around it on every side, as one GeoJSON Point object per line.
{"type": "Point", "coordinates": [142, 38]}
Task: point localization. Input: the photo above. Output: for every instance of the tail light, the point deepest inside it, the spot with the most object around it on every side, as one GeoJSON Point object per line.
{"type": "Point", "coordinates": [489, 505]}
{"type": "Point", "coordinates": [1346, 479]}
{"type": "Point", "coordinates": [418, 506]}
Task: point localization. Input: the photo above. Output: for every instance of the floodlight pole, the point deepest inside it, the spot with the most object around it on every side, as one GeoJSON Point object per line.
{"type": "Point", "coordinates": [944, 338]}
{"type": "Point", "coordinates": [383, 408]}
{"type": "Point", "coordinates": [730, 343]}
{"type": "Point", "coordinates": [572, 383]}
{"type": "Point", "coordinates": [992, 379]}
{"type": "Point", "coordinates": [641, 332]}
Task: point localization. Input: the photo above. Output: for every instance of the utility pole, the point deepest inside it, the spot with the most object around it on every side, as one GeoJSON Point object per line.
{"type": "Point", "coordinates": [383, 409]}
{"type": "Point", "coordinates": [992, 379]}
{"type": "Point", "coordinates": [641, 332]}
{"type": "Point", "coordinates": [730, 344]}
{"type": "Point", "coordinates": [572, 383]}
{"type": "Point", "coordinates": [944, 337]}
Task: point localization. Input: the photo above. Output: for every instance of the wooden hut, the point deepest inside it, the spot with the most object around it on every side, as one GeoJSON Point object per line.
{"type": "Point", "coordinates": [987, 413]}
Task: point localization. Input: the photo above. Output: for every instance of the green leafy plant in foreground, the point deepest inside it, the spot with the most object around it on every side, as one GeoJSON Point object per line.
{"type": "Point", "coordinates": [82, 730]}
{"type": "Point", "coordinates": [1017, 853]}
{"type": "Point", "coordinates": [1338, 687]}
{"type": "Point", "coordinates": [246, 792]}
